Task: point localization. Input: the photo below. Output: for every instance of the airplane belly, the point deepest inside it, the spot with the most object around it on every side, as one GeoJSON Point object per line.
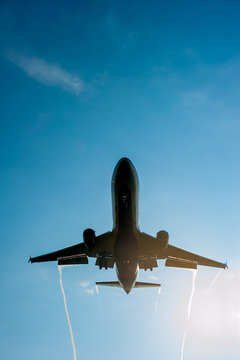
{"type": "Point", "coordinates": [127, 272]}
{"type": "Point", "coordinates": [126, 259]}
{"type": "Point", "coordinates": [126, 246]}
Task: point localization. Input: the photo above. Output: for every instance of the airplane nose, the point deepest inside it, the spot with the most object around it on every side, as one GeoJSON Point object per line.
{"type": "Point", "coordinates": [124, 165]}
{"type": "Point", "coordinates": [124, 175]}
{"type": "Point", "coordinates": [124, 162]}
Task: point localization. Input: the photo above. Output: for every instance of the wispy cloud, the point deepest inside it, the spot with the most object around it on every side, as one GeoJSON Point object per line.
{"type": "Point", "coordinates": [153, 278]}
{"type": "Point", "coordinates": [86, 286]}
{"type": "Point", "coordinates": [84, 283]}
{"type": "Point", "coordinates": [194, 97]}
{"type": "Point", "coordinates": [90, 291]}
{"type": "Point", "coordinates": [47, 74]}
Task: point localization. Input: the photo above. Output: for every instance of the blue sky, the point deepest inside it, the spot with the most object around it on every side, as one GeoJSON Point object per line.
{"type": "Point", "coordinates": [83, 84]}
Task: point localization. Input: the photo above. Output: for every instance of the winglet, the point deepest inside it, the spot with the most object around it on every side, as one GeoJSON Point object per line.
{"type": "Point", "coordinates": [226, 265]}
{"type": "Point", "coordinates": [30, 259]}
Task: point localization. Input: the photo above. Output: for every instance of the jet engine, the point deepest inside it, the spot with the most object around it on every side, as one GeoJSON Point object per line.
{"type": "Point", "coordinates": [162, 238]}
{"type": "Point", "coordinates": [89, 238]}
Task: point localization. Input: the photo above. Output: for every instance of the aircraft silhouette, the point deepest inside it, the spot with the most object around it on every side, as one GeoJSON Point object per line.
{"type": "Point", "coordinates": [126, 246]}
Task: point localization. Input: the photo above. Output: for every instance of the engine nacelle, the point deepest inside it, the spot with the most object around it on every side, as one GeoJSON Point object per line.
{"type": "Point", "coordinates": [89, 238]}
{"type": "Point", "coordinates": [162, 238]}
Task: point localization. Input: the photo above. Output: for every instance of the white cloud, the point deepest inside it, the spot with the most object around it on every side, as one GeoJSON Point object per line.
{"type": "Point", "coordinates": [153, 278]}
{"type": "Point", "coordinates": [47, 74]}
{"type": "Point", "coordinates": [90, 291]}
{"type": "Point", "coordinates": [84, 283]}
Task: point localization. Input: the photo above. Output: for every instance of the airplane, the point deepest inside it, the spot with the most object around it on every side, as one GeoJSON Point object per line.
{"type": "Point", "coordinates": [126, 246]}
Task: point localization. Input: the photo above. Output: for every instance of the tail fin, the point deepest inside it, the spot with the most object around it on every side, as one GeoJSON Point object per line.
{"type": "Point", "coordinates": [117, 284]}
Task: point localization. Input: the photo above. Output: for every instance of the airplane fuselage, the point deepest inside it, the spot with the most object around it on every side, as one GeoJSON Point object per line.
{"type": "Point", "coordinates": [125, 222]}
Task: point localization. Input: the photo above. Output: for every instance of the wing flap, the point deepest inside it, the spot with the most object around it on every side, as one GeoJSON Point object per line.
{"type": "Point", "coordinates": [180, 263]}
{"type": "Point", "coordinates": [73, 260]}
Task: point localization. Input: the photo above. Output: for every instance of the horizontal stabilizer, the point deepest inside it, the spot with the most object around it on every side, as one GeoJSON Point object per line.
{"type": "Point", "coordinates": [108, 283]}
{"type": "Point", "coordinates": [117, 284]}
{"type": "Point", "coordinates": [145, 285]}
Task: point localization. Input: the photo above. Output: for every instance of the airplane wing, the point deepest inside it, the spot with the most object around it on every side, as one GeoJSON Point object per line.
{"type": "Point", "coordinates": [175, 257]}
{"type": "Point", "coordinates": [78, 254]}
{"type": "Point", "coordinates": [173, 253]}
{"type": "Point", "coordinates": [79, 249]}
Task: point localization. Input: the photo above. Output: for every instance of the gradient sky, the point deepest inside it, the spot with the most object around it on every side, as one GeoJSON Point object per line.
{"type": "Point", "coordinates": [84, 83]}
